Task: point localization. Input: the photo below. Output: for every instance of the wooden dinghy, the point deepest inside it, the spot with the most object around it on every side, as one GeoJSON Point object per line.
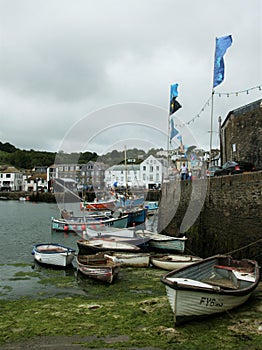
{"type": "Point", "coordinates": [53, 254]}
{"type": "Point", "coordinates": [160, 242]}
{"type": "Point", "coordinates": [131, 259]}
{"type": "Point", "coordinates": [96, 245]}
{"type": "Point", "coordinates": [98, 266]}
{"type": "Point", "coordinates": [210, 286]}
{"type": "Point", "coordinates": [173, 261]}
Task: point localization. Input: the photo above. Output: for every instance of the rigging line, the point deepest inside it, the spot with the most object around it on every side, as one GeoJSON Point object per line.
{"type": "Point", "coordinates": [220, 94]}
{"type": "Point", "coordinates": [238, 92]}
{"type": "Point", "coordinates": [248, 245]}
{"type": "Point", "coordinates": [198, 115]}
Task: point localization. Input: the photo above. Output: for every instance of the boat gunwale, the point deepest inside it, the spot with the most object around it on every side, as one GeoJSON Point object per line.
{"type": "Point", "coordinates": [216, 289]}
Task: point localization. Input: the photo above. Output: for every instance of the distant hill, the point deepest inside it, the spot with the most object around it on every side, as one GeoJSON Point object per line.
{"type": "Point", "coordinates": [24, 159]}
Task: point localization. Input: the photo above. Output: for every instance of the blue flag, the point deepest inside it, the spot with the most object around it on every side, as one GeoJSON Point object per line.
{"type": "Point", "coordinates": [174, 105]}
{"type": "Point", "coordinates": [173, 91]}
{"type": "Point", "coordinates": [173, 131]}
{"type": "Point", "coordinates": [222, 44]}
{"type": "Point", "coordinates": [179, 137]}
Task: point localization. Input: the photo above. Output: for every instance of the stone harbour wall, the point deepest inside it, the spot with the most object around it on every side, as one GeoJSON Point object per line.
{"type": "Point", "coordinates": [228, 221]}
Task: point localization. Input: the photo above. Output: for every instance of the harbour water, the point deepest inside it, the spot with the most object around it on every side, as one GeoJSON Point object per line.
{"type": "Point", "coordinates": [23, 224]}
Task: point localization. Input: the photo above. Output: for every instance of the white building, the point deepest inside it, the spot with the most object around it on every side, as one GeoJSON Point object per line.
{"type": "Point", "coordinates": [146, 174]}
{"type": "Point", "coordinates": [123, 174]}
{"type": "Point", "coordinates": [35, 183]}
{"type": "Point", "coordinates": [153, 171]}
{"type": "Point", "coordinates": [11, 179]}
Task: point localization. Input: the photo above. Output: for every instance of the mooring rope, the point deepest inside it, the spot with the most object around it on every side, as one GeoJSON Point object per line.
{"type": "Point", "coordinates": [248, 245]}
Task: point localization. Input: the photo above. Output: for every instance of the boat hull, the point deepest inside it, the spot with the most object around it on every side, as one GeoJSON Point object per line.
{"type": "Point", "coordinates": [104, 271]}
{"type": "Point", "coordinates": [211, 286]}
{"type": "Point", "coordinates": [49, 255]}
{"type": "Point", "coordinates": [173, 262]}
{"type": "Point", "coordinates": [99, 205]}
{"type": "Point", "coordinates": [81, 225]}
{"type": "Point", "coordinates": [94, 246]}
{"type": "Point", "coordinates": [159, 242]}
{"type": "Point", "coordinates": [188, 305]}
{"type": "Point", "coordinates": [132, 260]}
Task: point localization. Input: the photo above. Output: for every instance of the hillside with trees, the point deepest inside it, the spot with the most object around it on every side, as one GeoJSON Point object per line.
{"type": "Point", "coordinates": [28, 159]}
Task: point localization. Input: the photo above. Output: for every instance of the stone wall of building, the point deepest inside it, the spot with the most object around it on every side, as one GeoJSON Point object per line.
{"type": "Point", "coordinates": [242, 134]}
{"type": "Point", "coordinates": [230, 220]}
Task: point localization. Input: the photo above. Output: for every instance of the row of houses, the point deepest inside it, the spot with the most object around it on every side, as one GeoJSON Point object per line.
{"type": "Point", "coordinates": [148, 173]}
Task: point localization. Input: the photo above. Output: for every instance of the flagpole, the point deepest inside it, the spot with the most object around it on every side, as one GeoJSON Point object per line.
{"type": "Point", "coordinates": [211, 125]}
{"type": "Point", "coordinates": [168, 135]}
{"type": "Point", "coordinates": [212, 110]}
{"type": "Point", "coordinates": [222, 44]}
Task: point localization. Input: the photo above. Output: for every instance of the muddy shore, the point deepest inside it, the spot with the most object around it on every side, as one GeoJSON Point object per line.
{"type": "Point", "coordinates": [126, 315]}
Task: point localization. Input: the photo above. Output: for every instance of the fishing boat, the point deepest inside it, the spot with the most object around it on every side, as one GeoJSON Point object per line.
{"type": "Point", "coordinates": [129, 202]}
{"type": "Point", "coordinates": [53, 254]}
{"type": "Point", "coordinates": [99, 205]}
{"type": "Point", "coordinates": [152, 208]}
{"type": "Point", "coordinates": [81, 223]}
{"type": "Point", "coordinates": [136, 216]}
{"type": "Point", "coordinates": [96, 245]}
{"type": "Point", "coordinates": [213, 285]}
{"type": "Point", "coordinates": [160, 242]}
{"type": "Point", "coordinates": [131, 259]}
{"type": "Point", "coordinates": [98, 266]}
{"type": "Point", "coordinates": [173, 261]}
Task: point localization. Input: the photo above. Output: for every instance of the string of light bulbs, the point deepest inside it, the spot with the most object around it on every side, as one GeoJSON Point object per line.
{"type": "Point", "coordinates": [220, 94]}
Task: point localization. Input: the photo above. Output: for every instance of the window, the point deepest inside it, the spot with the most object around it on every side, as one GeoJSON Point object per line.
{"type": "Point", "coordinates": [144, 167]}
{"type": "Point", "coordinates": [151, 168]}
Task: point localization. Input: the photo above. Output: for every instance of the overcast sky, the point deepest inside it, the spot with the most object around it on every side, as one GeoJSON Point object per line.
{"type": "Point", "coordinates": [84, 75]}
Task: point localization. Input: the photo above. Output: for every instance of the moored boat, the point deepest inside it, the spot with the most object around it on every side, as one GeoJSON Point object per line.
{"type": "Point", "coordinates": [81, 224]}
{"type": "Point", "coordinates": [136, 216]}
{"type": "Point", "coordinates": [152, 208]}
{"type": "Point", "coordinates": [160, 242]}
{"type": "Point", "coordinates": [173, 261]}
{"type": "Point", "coordinates": [96, 245]}
{"type": "Point", "coordinates": [99, 205]}
{"type": "Point", "coordinates": [124, 235]}
{"type": "Point", "coordinates": [213, 285]}
{"type": "Point", "coordinates": [98, 266]}
{"type": "Point", "coordinates": [131, 259]}
{"type": "Point", "coordinates": [129, 202]}
{"type": "Point", "coordinates": [53, 254]}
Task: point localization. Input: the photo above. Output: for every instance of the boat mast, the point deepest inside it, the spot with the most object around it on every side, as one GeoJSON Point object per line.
{"type": "Point", "coordinates": [125, 169]}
